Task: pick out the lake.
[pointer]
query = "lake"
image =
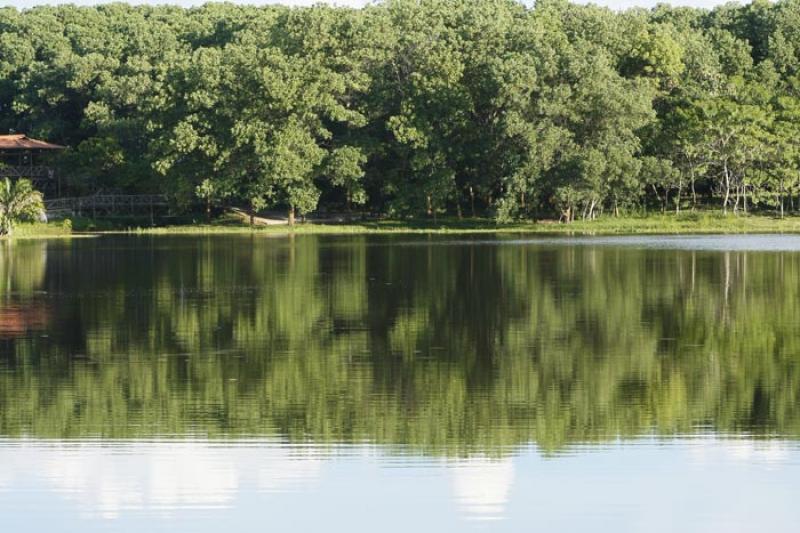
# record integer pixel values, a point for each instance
(400, 383)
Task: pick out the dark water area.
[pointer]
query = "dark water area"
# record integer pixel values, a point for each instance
(362, 383)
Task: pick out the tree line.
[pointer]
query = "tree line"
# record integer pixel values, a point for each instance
(417, 108)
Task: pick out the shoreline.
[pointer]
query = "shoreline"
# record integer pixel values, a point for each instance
(671, 224)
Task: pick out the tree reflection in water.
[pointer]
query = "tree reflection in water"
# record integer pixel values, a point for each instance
(468, 348)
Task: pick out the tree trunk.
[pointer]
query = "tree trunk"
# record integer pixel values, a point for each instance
(744, 198)
(727, 190)
(655, 191)
(291, 216)
(5, 224)
(472, 200)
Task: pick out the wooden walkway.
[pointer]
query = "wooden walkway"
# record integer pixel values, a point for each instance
(43, 178)
(105, 205)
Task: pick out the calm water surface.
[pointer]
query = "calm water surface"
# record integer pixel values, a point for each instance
(397, 383)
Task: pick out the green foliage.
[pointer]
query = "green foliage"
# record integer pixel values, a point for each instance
(19, 201)
(345, 168)
(407, 108)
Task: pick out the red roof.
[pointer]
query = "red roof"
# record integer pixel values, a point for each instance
(20, 141)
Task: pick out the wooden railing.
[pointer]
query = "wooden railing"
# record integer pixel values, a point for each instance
(105, 204)
(22, 171)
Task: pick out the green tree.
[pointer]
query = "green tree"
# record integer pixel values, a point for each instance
(19, 202)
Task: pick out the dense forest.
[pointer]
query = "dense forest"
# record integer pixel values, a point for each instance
(416, 107)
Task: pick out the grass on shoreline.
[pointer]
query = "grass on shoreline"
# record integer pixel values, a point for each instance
(684, 223)
(690, 222)
(38, 230)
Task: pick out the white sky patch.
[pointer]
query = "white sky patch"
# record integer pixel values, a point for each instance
(703, 483)
(105, 481)
(481, 487)
(185, 3)
(768, 453)
(614, 4)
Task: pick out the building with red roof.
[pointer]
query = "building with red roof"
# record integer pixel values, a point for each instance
(24, 157)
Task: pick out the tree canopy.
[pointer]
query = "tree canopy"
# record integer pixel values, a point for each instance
(416, 108)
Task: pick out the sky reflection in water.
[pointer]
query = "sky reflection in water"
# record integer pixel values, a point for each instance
(698, 484)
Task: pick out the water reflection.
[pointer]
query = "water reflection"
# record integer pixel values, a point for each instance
(461, 350)
(481, 486)
(316, 383)
(700, 484)
(105, 479)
